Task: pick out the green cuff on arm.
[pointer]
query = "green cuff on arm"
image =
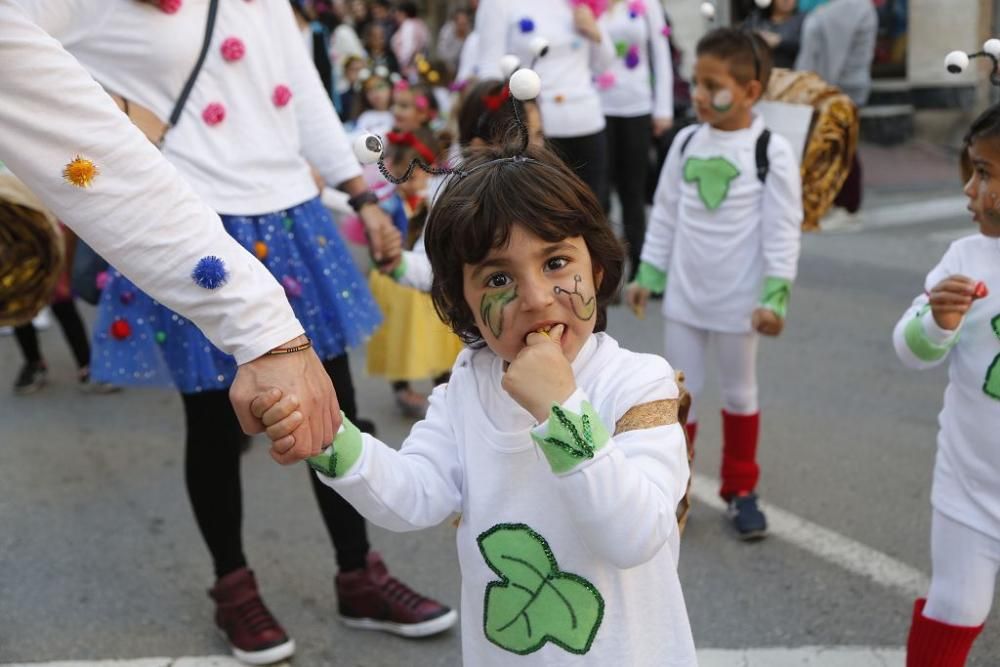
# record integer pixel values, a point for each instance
(651, 278)
(920, 342)
(400, 270)
(570, 438)
(338, 458)
(775, 294)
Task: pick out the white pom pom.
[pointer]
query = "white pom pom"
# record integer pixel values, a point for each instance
(763, 4)
(539, 46)
(364, 74)
(708, 10)
(525, 84)
(382, 71)
(992, 47)
(367, 148)
(509, 64)
(956, 62)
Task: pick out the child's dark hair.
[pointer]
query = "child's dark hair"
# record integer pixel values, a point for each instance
(985, 126)
(477, 120)
(476, 213)
(747, 54)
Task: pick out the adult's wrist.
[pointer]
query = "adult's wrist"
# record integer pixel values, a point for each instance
(362, 199)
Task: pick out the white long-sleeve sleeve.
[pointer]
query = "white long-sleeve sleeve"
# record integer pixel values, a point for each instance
(781, 211)
(658, 243)
(418, 273)
(138, 213)
(623, 501)
(321, 135)
(660, 60)
(602, 53)
(491, 29)
(417, 486)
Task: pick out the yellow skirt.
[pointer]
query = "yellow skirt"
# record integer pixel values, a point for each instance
(412, 343)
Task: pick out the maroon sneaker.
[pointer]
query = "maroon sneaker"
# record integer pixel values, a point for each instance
(372, 599)
(254, 635)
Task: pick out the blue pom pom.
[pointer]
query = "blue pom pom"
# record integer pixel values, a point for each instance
(526, 25)
(210, 272)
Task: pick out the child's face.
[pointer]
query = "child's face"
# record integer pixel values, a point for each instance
(983, 188)
(532, 284)
(352, 70)
(379, 95)
(409, 110)
(719, 99)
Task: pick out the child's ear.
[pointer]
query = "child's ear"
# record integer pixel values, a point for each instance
(598, 277)
(754, 91)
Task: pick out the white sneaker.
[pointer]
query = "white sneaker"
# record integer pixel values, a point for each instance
(838, 219)
(6, 331)
(43, 320)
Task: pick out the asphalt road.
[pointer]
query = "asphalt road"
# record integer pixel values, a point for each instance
(99, 556)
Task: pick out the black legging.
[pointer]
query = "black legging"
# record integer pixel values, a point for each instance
(73, 330)
(212, 473)
(629, 140)
(587, 156)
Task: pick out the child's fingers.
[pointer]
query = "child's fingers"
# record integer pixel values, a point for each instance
(285, 427)
(942, 298)
(260, 404)
(280, 410)
(556, 333)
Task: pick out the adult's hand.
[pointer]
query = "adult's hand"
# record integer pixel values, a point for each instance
(661, 125)
(299, 376)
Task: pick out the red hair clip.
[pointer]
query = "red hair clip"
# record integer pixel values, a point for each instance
(494, 102)
(408, 139)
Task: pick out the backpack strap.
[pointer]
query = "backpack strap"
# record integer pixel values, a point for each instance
(763, 165)
(687, 140)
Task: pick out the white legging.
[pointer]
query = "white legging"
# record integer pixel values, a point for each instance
(686, 348)
(964, 566)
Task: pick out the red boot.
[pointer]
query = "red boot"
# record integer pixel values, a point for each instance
(740, 471)
(936, 644)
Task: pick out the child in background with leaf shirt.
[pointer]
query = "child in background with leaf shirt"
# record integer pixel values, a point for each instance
(560, 449)
(723, 246)
(958, 318)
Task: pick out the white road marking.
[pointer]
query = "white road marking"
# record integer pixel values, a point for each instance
(809, 656)
(827, 544)
(909, 213)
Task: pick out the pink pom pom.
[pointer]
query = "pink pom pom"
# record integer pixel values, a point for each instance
(101, 280)
(232, 49)
(637, 8)
(213, 114)
(292, 286)
(596, 6)
(170, 6)
(605, 80)
(282, 95)
(666, 31)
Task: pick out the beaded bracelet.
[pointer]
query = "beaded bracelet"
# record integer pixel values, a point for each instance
(288, 350)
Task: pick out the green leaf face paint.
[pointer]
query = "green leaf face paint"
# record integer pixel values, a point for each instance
(492, 306)
(713, 176)
(582, 307)
(534, 602)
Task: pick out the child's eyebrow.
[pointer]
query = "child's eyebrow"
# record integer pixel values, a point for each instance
(561, 246)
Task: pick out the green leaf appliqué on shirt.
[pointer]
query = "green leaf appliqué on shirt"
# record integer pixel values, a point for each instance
(992, 384)
(713, 176)
(534, 602)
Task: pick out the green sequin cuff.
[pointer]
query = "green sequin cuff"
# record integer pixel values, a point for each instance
(571, 438)
(651, 278)
(339, 457)
(921, 344)
(400, 271)
(775, 295)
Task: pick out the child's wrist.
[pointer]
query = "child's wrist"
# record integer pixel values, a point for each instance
(650, 278)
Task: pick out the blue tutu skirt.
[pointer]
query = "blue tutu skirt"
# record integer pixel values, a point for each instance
(138, 341)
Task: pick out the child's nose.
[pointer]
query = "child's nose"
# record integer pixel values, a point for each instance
(970, 187)
(537, 293)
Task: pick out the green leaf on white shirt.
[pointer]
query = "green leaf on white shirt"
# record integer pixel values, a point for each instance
(713, 176)
(534, 602)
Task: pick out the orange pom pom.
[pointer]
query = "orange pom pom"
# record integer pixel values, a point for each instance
(260, 249)
(80, 172)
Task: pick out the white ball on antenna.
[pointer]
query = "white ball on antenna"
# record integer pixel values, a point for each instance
(539, 46)
(525, 84)
(956, 62)
(509, 64)
(992, 47)
(367, 148)
(708, 10)
(763, 4)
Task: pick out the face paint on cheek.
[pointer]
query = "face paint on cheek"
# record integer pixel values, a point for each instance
(582, 307)
(492, 306)
(722, 101)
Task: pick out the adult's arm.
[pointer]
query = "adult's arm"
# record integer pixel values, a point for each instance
(136, 211)
(661, 63)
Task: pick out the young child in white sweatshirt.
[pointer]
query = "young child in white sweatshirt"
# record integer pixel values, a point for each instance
(723, 246)
(958, 318)
(560, 450)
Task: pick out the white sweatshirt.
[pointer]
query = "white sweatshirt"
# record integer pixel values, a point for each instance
(968, 458)
(255, 160)
(716, 259)
(608, 521)
(648, 87)
(138, 212)
(569, 102)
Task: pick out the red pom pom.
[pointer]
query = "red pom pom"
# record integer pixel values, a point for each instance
(213, 114)
(121, 329)
(232, 49)
(980, 290)
(170, 6)
(282, 95)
